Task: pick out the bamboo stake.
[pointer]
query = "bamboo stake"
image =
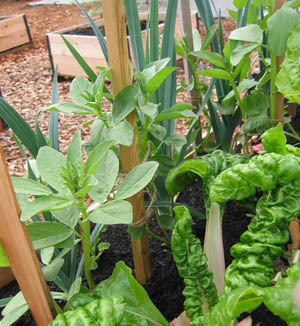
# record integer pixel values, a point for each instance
(6, 276)
(294, 225)
(279, 97)
(114, 22)
(184, 13)
(16, 243)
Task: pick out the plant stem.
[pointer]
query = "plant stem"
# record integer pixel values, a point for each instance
(294, 132)
(86, 230)
(273, 86)
(157, 237)
(262, 56)
(292, 135)
(57, 307)
(237, 95)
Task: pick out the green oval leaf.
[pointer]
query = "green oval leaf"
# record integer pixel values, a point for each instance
(50, 271)
(113, 212)
(29, 186)
(122, 133)
(280, 25)
(249, 33)
(216, 73)
(176, 111)
(49, 163)
(136, 180)
(212, 57)
(81, 90)
(44, 204)
(67, 107)
(106, 174)
(124, 103)
(47, 234)
(96, 156)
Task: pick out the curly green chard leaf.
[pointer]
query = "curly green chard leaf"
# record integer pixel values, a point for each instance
(139, 310)
(244, 299)
(191, 263)
(206, 167)
(278, 177)
(105, 312)
(279, 299)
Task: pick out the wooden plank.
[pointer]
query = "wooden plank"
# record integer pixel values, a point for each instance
(87, 46)
(114, 19)
(23, 260)
(13, 32)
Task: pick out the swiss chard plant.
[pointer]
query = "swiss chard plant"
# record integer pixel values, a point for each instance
(249, 277)
(207, 167)
(199, 286)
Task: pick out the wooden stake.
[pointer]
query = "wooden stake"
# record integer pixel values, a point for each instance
(16, 243)
(114, 22)
(184, 14)
(6, 276)
(279, 97)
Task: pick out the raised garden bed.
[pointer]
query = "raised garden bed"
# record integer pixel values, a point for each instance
(14, 33)
(86, 43)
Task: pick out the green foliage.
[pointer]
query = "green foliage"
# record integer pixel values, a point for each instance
(278, 177)
(139, 310)
(255, 105)
(280, 25)
(206, 167)
(287, 81)
(192, 266)
(3, 258)
(107, 311)
(69, 180)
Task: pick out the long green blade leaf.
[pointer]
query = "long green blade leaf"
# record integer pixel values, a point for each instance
(53, 124)
(189, 134)
(40, 139)
(19, 127)
(134, 27)
(154, 30)
(100, 37)
(83, 64)
(207, 17)
(167, 92)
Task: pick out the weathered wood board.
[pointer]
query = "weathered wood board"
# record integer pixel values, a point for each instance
(88, 47)
(14, 33)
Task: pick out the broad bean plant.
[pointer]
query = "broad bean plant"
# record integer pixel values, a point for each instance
(63, 187)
